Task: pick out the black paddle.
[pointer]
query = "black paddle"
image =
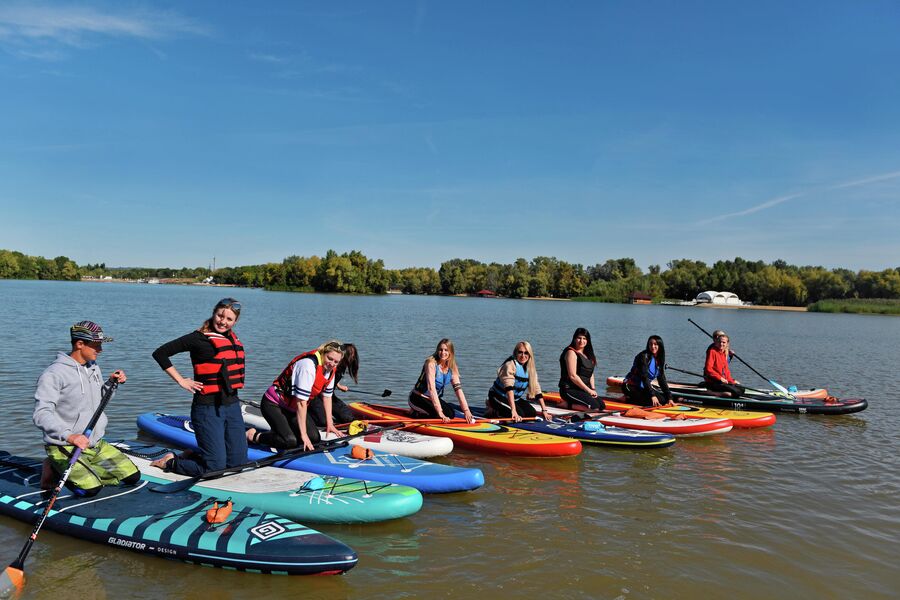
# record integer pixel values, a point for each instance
(13, 578)
(383, 394)
(775, 384)
(183, 484)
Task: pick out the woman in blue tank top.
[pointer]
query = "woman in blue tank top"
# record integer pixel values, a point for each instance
(648, 367)
(438, 373)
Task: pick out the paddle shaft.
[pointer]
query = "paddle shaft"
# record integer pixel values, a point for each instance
(104, 400)
(734, 354)
(701, 376)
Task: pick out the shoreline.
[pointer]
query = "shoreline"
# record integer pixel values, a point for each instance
(755, 307)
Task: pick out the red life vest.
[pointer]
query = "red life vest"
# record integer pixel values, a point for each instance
(224, 372)
(284, 382)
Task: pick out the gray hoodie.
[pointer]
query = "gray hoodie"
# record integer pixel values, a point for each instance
(66, 397)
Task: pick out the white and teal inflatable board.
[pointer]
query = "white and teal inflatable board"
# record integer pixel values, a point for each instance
(173, 526)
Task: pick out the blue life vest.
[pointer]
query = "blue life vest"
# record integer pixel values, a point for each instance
(441, 381)
(521, 384)
(634, 375)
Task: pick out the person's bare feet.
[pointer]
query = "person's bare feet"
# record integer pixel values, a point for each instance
(163, 461)
(251, 435)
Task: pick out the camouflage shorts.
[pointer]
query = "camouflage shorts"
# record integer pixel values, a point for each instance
(101, 465)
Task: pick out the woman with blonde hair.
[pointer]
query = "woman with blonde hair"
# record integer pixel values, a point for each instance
(217, 356)
(517, 386)
(438, 373)
(285, 405)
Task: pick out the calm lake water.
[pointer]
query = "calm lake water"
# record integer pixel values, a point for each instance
(807, 508)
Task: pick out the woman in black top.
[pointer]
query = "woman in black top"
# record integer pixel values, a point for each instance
(649, 365)
(217, 356)
(576, 372)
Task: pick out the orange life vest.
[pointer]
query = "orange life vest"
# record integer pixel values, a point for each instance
(284, 382)
(224, 372)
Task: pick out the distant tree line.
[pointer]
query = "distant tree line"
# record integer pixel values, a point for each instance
(776, 283)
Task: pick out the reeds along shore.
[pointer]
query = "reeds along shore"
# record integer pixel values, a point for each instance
(873, 306)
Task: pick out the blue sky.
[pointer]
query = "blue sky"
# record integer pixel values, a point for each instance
(166, 133)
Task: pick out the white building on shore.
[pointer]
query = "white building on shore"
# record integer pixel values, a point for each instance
(711, 297)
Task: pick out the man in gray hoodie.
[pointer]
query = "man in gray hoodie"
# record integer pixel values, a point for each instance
(67, 395)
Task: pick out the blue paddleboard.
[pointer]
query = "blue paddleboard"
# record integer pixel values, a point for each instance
(427, 477)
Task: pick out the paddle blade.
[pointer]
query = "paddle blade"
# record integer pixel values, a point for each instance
(781, 389)
(12, 581)
(386, 393)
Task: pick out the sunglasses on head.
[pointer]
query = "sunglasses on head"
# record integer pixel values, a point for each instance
(229, 303)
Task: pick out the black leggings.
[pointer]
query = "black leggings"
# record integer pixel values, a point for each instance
(732, 389)
(500, 407)
(284, 433)
(340, 412)
(420, 404)
(640, 395)
(573, 395)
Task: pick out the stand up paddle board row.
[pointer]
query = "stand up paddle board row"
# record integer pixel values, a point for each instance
(615, 437)
(482, 436)
(296, 495)
(427, 477)
(741, 419)
(173, 526)
(392, 441)
(769, 401)
(616, 382)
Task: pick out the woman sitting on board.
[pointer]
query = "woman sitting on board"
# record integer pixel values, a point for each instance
(217, 356)
(717, 373)
(576, 372)
(439, 371)
(728, 351)
(516, 387)
(341, 413)
(285, 405)
(649, 364)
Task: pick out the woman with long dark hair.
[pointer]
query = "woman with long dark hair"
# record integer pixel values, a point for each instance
(576, 372)
(648, 365)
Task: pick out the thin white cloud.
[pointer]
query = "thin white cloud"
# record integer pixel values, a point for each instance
(781, 199)
(270, 58)
(38, 30)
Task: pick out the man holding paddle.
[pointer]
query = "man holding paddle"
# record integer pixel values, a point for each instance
(68, 394)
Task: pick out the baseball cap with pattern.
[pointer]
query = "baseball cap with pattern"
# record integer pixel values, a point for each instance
(89, 332)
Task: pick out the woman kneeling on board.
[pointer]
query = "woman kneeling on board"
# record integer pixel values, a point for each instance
(340, 412)
(649, 364)
(576, 372)
(516, 387)
(439, 371)
(285, 405)
(717, 372)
